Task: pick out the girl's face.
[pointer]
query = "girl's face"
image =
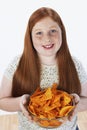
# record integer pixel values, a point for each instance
(46, 37)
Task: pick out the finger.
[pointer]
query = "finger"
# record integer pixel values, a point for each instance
(24, 109)
(73, 113)
(76, 98)
(25, 99)
(30, 118)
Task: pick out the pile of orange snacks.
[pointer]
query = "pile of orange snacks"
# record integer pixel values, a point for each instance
(50, 104)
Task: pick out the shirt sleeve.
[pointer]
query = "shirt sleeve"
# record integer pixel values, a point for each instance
(9, 72)
(81, 71)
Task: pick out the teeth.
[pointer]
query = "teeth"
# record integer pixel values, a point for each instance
(48, 46)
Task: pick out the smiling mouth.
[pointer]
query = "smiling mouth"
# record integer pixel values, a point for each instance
(48, 46)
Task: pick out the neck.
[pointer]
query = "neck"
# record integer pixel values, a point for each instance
(48, 60)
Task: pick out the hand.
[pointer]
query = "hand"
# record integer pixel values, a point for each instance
(23, 105)
(75, 110)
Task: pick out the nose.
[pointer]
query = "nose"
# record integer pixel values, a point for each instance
(47, 38)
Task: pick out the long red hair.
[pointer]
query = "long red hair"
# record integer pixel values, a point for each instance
(27, 76)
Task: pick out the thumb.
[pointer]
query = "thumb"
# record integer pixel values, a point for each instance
(25, 99)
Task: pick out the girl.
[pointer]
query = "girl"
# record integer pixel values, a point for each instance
(45, 60)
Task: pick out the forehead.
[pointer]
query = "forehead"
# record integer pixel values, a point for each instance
(45, 23)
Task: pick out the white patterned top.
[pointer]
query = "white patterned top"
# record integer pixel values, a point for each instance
(49, 75)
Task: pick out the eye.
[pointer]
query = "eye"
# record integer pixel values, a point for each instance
(39, 33)
(53, 31)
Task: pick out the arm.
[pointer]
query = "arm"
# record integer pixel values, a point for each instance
(82, 106)
(12, 104)
(83, 79)
(7, 102)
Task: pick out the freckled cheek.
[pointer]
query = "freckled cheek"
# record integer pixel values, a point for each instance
(58, 38)
(55, 38)
(37, 41)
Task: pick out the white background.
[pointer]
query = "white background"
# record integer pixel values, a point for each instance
(14, 15)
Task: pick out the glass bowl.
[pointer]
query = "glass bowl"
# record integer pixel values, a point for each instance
(50, 108)
(49, 123)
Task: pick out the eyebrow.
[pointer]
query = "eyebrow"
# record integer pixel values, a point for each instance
(53, 26)
(37, 30)
(49, 28)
